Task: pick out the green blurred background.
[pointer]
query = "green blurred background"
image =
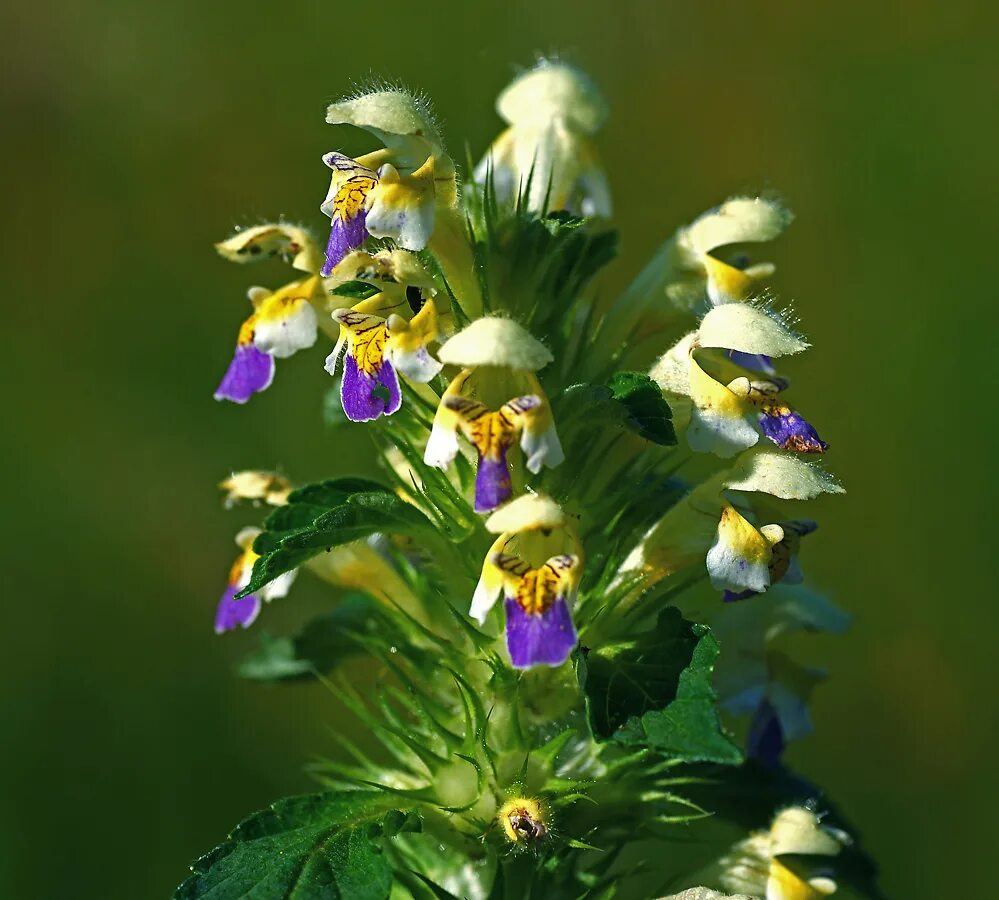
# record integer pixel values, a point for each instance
(135, 136)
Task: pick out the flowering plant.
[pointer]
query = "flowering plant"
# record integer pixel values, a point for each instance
(624, 474)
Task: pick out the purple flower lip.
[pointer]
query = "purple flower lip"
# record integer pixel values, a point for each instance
(366, 397)
(232, 613)
(539, 639)
(250, 372)
(790, 431)
(344, 237)
(492, 483)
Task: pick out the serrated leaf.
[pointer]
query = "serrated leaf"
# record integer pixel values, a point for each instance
(655, 691)
(294, 539)
(321, 645)
(312, 847)
(648, 413)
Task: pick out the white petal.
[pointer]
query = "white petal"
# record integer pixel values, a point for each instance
(721, 422)
(409, 224)
(246, 536)
(272, 239)
(783, 475)
(543, 449)
(724, 436)
(494, 341)
(484, 598)
(553, 89)
(739, 559)
(285, 335)
(736, 221)
(798, 830)
(416, 365)
(334, 358)
(442, 446)
(750, 329)
(399, 120)
(672, 370)
(528, 512)
(279, 587)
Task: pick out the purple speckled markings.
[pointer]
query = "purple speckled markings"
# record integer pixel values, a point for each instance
(366, 397)
(539, 639)
(250, 372)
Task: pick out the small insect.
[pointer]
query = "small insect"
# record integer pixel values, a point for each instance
(523, 821)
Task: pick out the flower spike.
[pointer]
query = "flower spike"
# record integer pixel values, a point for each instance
(589, 663)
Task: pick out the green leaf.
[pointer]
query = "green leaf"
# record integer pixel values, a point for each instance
(320, 646)
(355, 290)
(313, 847)
(655, 691)
(325, 515)
(648, 413)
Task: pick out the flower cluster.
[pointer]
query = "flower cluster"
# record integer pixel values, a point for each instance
(626, 474)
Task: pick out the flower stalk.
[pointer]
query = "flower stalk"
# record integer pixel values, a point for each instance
(574, 571)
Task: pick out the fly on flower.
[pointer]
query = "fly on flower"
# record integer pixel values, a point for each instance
(283, 321)
(537, 563)
(392, 192)
(498, 355)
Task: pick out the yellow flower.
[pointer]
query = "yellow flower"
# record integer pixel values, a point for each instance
(283, 321)
(392, 192)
